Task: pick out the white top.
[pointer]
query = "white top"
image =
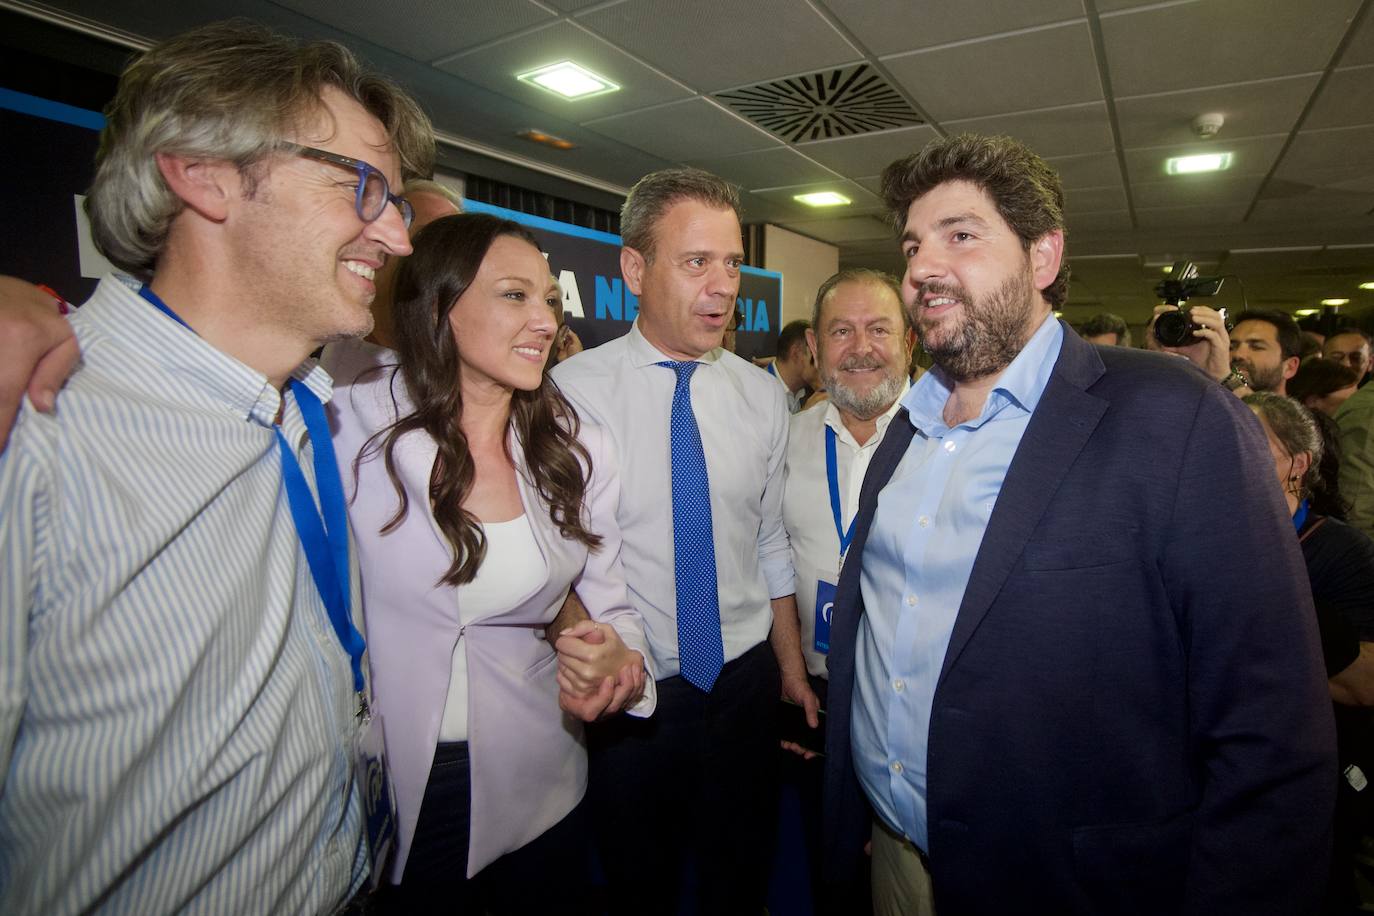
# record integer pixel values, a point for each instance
(512, 561)
(743, 423)
(176, 713)
(806, 506)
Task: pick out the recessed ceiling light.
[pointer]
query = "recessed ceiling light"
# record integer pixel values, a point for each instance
(1168, 268)
(568, 80)
(1303, 313)
(1335, 301)
(1369, 285)
(1191, 165)
(822, 199)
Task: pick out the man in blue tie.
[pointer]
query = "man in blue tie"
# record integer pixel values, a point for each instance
(701, 436)
(1074, 664)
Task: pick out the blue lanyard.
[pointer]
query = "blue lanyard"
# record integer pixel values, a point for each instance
(1300, 517)
(771, 370)
(832, 474)
(325, 541)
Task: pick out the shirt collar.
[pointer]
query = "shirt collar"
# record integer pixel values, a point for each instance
(1020, 386)
(642, 353)
(836, 422)
(138, 324)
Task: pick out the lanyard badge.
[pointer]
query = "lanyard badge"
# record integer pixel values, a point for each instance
(825, 591)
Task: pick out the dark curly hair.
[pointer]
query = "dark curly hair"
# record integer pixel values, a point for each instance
(1027, 192)
(448, 253)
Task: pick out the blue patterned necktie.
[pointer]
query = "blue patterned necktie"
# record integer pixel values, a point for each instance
(699, 649)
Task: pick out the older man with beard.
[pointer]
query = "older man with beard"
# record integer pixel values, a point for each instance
(1055, 685)
(860, 341)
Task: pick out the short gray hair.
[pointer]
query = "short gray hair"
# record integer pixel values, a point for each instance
(1107, 323)
(430, 186)
(1295, 428)
(653, 194)
(857, 275)
(233, 91)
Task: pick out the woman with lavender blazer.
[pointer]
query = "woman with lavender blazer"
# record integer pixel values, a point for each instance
(525, 755)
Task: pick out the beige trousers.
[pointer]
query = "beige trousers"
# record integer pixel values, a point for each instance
(901, 881)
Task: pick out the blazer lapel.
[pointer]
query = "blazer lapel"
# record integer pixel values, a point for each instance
(1058, 430)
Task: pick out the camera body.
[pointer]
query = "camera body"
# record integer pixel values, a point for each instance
(1175, 329)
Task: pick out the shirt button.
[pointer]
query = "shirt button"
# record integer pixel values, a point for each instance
(911, 600)
(898, 684)
(923, 521)
(896, 766)
(949, 446)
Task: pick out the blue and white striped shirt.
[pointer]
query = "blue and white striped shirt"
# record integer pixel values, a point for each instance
(176, 714)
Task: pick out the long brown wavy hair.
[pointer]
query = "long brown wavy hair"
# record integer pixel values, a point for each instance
(447, 255)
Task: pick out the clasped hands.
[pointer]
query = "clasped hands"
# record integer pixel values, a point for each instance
(598, 675)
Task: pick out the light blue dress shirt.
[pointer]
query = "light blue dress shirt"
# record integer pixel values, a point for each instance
(929, 524)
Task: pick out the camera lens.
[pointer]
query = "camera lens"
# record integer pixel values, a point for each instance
(1173, 329)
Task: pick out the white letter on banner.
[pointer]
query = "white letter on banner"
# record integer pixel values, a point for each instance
(572, 297)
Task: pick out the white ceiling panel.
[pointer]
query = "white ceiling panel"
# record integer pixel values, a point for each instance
(1346, 100)
(1251, 156)
(495, 66)
(720, 44)
(1178, 46)
(890, 26)
(1095, 200)
(424, 29)
(846, 229)
(868, 154)
(686, 130)
(1095, 170)
(1070, 131)
(1251, 110)
(770, 168)
(977, 78)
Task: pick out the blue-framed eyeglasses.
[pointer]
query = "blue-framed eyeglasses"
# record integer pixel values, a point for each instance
(373, 191)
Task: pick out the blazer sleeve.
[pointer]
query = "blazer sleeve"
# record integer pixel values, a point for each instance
(601, 584)
(1261, 721)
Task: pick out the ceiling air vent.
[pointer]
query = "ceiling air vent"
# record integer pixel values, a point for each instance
(831, 103)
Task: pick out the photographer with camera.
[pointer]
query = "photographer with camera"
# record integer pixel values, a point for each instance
(1266, 345)
(1198, 333)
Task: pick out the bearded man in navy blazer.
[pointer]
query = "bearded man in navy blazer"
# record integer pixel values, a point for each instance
(1074, 664)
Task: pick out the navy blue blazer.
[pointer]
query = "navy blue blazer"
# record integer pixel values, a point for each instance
(1132, 715)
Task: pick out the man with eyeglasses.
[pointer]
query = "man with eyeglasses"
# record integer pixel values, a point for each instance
(183, 700)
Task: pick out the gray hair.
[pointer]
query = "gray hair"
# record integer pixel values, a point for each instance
(233, 91)
(857, 275)
(429, 186)
(653, 194)
(1293, 425)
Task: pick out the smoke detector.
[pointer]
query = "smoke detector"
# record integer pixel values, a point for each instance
(1206, 126)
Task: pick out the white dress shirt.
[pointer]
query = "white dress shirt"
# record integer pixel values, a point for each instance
(743, 423)
(794, 398)
(176, 713)
(806, 506)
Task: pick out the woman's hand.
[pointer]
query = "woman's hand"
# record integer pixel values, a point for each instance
(598, 675)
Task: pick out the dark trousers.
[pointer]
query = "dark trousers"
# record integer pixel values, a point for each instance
(696, 782)
(551, 873)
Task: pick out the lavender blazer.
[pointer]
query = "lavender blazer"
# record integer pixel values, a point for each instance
(528, 758)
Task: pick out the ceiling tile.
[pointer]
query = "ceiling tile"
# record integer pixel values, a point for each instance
(1051, 132)
(1328, 156)
(868, 154)
(1251, 110)
(569, 6)
(979, 78)
(1095, 200)
(1251, 156)
(719, 44)
(1360, 50)
(1346, 100)
(890, 26)
(1095, 170)
(496, 65)
(770, 168)
(686, 130)
(1184, 45)
(1197, 190)
(845, 229)
(423, 29)
(1172, 217)
(1119, 220)
(1319, 203)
